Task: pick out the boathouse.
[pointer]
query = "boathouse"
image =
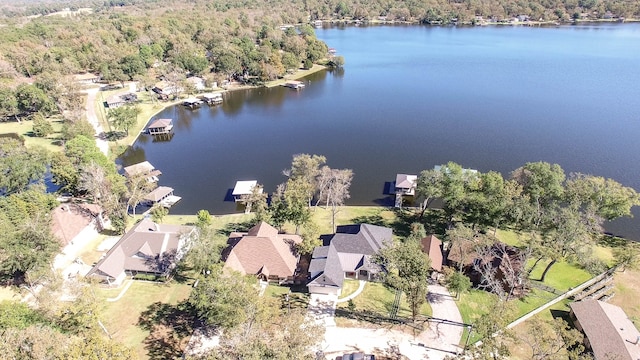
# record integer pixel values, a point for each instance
(160, 127)
(294, 84)
(212, 98)
(162, 195)
(145, 168)
(405, 185)
(192, 103)
(244, 188)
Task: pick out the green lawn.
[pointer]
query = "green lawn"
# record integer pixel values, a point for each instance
(121, 318)
(349, 215)
(378, 299)
(25, 130)
(562, 275)
(349, 286)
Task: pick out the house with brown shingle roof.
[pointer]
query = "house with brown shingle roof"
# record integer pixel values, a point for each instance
(432, 246)
(262, 251)
(609, 333)
(148, 248)
(71, 222)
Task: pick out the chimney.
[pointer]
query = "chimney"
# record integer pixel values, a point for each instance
(157, 227)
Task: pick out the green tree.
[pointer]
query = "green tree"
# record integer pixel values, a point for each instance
(131, 65)
(552, 339)
(457, 282)
(407, 270)
(8, 103)
(204, 219)
(21, 167)
(158, 213)
(627, 256)
(32, 99)
(604, 197)
(123, 117)
(543, 184)
(41, 126)
(428, 188)
(226, 299)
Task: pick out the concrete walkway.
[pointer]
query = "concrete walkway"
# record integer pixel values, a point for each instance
(101, 142)
(124, 291)
(356, 293)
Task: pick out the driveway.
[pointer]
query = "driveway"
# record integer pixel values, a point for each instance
(441, 339)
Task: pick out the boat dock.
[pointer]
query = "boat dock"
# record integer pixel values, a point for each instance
(294, 84)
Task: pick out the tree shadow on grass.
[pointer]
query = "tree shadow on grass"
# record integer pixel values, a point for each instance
(242, 226)
(170, 327)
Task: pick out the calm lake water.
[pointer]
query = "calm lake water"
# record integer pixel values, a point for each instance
(411, 97)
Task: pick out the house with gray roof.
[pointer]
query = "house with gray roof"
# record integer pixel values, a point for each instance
(347, 254)
(148, 248)
(608, 331)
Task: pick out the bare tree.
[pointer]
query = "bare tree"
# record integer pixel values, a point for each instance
(139, 186)
(501, 268)
(335, 189)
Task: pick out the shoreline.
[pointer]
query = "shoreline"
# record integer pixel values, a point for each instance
(474, 23)
(298, 75)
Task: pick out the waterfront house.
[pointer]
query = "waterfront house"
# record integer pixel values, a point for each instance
(608, 331)
(148, 248)
(197, 82)
(263, 252)
(347, 254)
(145, 168)
(160, 127)
(164, 89)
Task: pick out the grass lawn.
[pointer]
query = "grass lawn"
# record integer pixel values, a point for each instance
(297, 300)
(562, 275)
(349, 215)
(25, 130)
(378, 299)
(349, 286)
(627, 293)
(90, 254)
(121, 318)
(7, 293)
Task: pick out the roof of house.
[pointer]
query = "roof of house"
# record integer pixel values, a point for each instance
(244, 187)
(158, 193)
(263, 251)
(147, 247)
(68, 220)
(349, 249)
(431, 245)
(610, 332)
(160, 123)
(404, 181)
(115, 99)
(141, 168)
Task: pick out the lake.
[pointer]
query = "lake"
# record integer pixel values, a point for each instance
(411, 97)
